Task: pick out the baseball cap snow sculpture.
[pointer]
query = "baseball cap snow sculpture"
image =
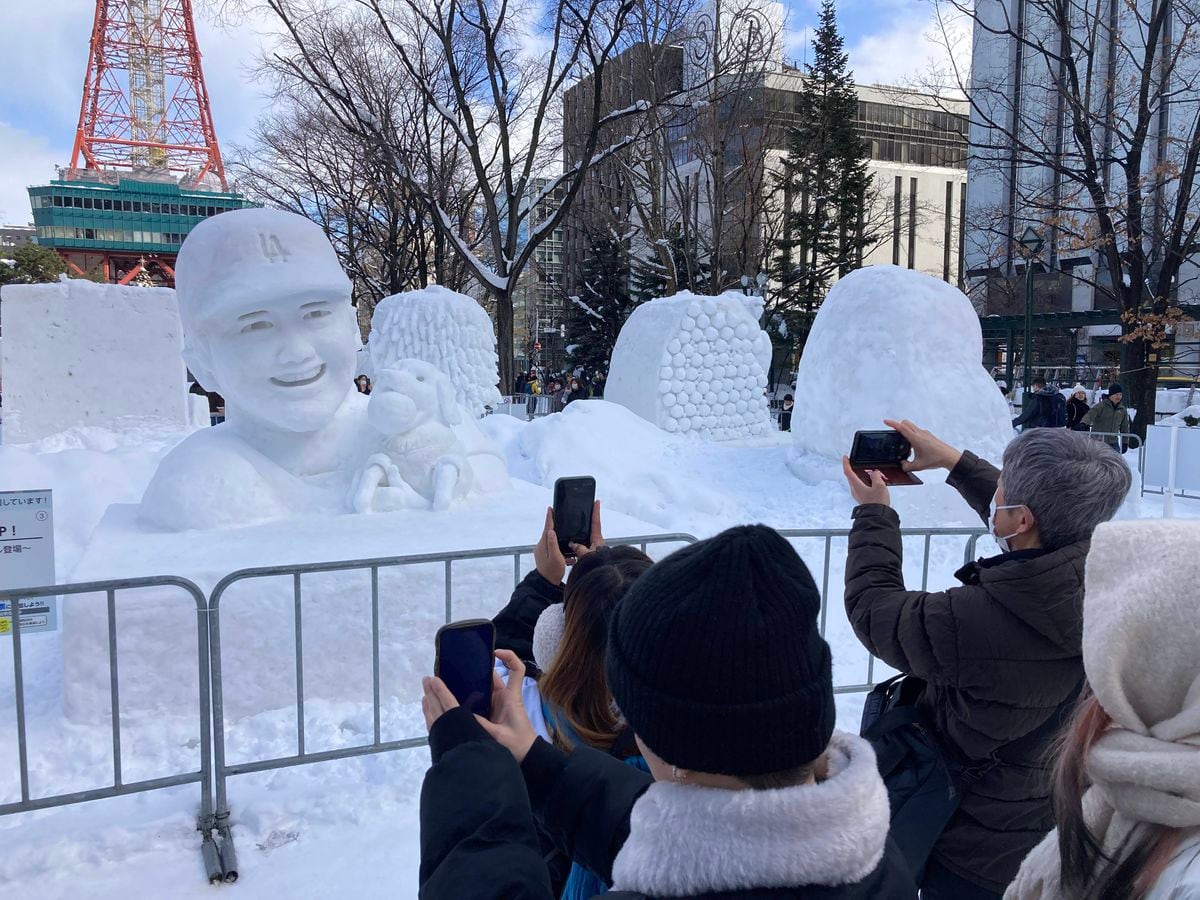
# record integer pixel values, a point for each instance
(268, 324)
(693, 365)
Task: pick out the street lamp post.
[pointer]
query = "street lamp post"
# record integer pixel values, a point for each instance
(1033, 243)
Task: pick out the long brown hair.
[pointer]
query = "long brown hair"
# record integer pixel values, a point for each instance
(1088, 873)
(575, 684)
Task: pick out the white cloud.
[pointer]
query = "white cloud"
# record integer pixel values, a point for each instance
(912, 51)
(28, 159)
(43, 54)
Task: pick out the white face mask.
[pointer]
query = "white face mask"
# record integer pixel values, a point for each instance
(1002, 540)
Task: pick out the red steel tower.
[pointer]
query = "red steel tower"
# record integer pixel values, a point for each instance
(145, 106)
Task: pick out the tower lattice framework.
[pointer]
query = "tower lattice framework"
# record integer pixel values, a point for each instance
(145, 105)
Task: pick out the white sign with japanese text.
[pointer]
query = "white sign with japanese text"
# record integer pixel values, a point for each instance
(27, 557)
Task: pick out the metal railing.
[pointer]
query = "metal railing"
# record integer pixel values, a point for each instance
(527, 406)
(222, 770)
(119, 787)
(217, 845)
(828, 535)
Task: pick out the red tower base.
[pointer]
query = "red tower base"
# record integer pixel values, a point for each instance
(121, 267)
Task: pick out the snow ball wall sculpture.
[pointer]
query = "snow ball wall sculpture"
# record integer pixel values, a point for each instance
(895, 343)
(446, 329)
(694, 365)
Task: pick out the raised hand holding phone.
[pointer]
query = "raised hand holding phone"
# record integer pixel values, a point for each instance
(929, 451)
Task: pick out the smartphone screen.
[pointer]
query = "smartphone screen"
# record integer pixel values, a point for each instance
(573, 501)
(879, 447)
(464, 663)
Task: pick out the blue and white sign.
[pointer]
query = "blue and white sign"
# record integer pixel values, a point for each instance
(27, 557)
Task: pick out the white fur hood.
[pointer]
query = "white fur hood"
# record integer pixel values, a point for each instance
(686, 840)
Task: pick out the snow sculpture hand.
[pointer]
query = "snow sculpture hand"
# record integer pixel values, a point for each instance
(423, 463)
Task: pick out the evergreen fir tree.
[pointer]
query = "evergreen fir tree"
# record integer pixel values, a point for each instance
(602, 305)
(825, 183)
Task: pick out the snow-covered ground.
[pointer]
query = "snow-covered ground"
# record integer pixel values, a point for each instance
(350, 828)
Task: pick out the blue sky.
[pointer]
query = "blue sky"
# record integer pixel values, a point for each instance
(43, 53)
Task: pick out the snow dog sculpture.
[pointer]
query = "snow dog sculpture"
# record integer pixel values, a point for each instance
(268, 324)
(423, 464)
(694, 365)
(447, 329)
(895, 343)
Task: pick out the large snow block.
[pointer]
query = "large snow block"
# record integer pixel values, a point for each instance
(445, 329)
(894, 343)
(80, 353)
(694, 365)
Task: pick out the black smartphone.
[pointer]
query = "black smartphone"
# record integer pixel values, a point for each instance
(573, 502)
(464, 652)
(879, 447)
(883, 451)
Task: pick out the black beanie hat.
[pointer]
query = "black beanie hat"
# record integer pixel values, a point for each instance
(1114, 388)
(715, 660)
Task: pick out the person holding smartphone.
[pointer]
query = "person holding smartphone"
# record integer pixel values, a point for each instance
(716, 661)
(1000, 656)
(557, 625)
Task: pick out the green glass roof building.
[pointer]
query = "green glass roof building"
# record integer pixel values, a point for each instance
(117, 228)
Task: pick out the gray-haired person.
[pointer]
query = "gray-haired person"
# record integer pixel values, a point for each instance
(1001, 655)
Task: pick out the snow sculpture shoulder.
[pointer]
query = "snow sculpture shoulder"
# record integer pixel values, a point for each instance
(694, 365)
(449, 330)
(268, 324)
(895, 343)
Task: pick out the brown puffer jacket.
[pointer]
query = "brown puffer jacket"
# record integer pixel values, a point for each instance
(1002, 655)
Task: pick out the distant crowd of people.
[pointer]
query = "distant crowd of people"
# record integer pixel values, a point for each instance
(1108, 417)
(667, 730)
(561, 388)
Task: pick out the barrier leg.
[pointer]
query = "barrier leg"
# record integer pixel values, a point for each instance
(212, 859)
(229, 865)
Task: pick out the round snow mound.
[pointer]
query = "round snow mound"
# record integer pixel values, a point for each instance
(445, 329)
(693, 365)
(897, 344)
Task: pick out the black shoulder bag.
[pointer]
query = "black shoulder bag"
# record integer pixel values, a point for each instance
(926, 783)
(925, 786)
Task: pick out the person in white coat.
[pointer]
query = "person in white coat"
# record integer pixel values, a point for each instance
(1127, 782)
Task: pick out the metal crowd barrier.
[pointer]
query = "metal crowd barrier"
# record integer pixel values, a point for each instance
(119, 786)
(217, 845)
(222, 771)
(972, 536)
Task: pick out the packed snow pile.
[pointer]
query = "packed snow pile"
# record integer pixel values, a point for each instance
(447, 329)
(694, 365)
(637, 467)
(897, 344)
(79, 353)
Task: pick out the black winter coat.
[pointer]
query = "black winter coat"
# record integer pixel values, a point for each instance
(515, 623)
(1076, 410)
(1002, 655)
(477, 822)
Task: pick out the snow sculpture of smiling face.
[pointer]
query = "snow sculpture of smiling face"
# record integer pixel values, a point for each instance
(267, 318)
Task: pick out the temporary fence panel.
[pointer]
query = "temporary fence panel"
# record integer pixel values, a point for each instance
(118, 786)
(222, 769)
(217, 843)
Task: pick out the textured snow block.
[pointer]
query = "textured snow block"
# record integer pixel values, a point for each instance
(446, 329)
(894, 343)
(79, 353)
(694, 365)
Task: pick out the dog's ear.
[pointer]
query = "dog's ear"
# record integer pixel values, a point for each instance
(451, 414)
